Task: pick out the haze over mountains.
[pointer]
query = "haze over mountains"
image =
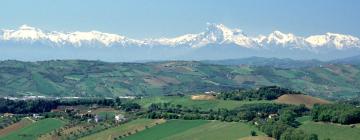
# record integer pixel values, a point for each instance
(216, 42)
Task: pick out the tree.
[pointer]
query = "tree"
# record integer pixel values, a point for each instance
(253, 133)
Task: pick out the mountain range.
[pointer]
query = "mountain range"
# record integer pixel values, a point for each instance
(216, 42)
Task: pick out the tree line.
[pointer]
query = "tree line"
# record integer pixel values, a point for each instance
(262, 93)
(46, 105)
(336, 113)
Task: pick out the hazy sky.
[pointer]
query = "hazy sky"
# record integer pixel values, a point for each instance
(160, 18)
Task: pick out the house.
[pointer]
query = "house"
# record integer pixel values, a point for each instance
(272, 116)
(8, 115)
(37, 116)
(96, 118)
(119, 118)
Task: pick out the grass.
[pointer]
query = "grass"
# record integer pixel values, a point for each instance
(196, 129)
(33, 131)
(187, 102)
(216, 130)
(16, 126)
(331, 131)
(43, 85)
(165, 130)
(115, 132)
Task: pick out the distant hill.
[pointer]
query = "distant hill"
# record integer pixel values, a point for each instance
(273, 62)
(354, 60)
(298, 99)
(96, 78)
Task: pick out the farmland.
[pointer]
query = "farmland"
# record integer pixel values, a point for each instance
(101, 79)
(34, 130)
(331, 131)
(308, 101)
(16, 126)
(215, 130)
(264, 113)
(201, 130)
(168, 129)
(123, 130)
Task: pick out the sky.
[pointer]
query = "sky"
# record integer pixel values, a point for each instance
(169, 18)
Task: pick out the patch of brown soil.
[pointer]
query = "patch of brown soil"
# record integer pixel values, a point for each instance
(297, 99)
(15, 126)
(202, 97)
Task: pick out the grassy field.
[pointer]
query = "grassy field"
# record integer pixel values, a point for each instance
(188, 102)
(165, 130)
(16, 126)
(34, 130)
(132, 127)
(195, 129)
(327, 130)
(216, 130)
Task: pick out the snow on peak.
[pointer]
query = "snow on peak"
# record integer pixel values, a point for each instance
(217, 34)
(339, 41)
(26, 27)
(32, 34)
(24, 32)
(278, 37)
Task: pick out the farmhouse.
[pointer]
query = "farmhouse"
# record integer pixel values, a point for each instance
(119, 118)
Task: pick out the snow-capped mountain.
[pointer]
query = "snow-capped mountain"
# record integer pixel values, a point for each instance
(216, 39)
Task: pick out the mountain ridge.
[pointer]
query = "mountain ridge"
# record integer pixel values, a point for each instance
(216, 42)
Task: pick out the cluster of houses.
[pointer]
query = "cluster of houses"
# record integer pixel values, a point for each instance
(96, 118)
(118, 118)
(271, 116)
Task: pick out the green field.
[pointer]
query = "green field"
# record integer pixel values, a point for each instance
(216, 130)
(31, 132)
(132, 126)
(195, 129)
(187, 102)
(331, 131)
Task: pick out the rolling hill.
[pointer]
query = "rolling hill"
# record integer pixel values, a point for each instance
(96, 78)
(297, 99)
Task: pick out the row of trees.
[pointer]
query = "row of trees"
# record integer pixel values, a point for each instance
(245, 112)
(43, 105)
(27, 106)
(336, 113)
(263, 93)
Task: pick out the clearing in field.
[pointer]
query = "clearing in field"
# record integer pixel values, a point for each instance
(16, 126)
(196, 129)
(331, 131)
(34, 130)
(124, 129)
(297, 99)
(202, 97)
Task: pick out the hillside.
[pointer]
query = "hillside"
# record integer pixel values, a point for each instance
(297, 99)
(96, 78)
